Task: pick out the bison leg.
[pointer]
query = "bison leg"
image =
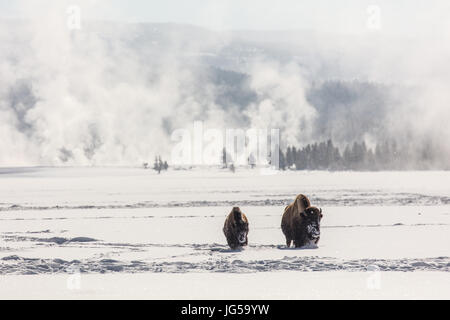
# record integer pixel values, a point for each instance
(298, 244)
(233, 244)
(288, 242)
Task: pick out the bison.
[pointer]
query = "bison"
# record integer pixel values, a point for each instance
(236, 229)
(301, 223)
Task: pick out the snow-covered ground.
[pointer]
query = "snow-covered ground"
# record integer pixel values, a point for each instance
(134, 234)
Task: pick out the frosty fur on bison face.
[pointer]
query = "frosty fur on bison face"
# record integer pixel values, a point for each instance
(312, 216)
(240, 226)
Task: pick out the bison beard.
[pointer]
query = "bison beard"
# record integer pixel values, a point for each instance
(236, 229)
(301, 223)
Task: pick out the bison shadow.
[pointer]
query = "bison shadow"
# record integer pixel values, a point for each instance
(308, 247)
(227, 250)
(278, 247)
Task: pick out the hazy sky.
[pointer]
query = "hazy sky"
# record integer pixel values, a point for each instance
(397, 17)
(102, 100)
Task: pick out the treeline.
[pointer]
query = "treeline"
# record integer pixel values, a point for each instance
(357, 156)
(158, 165)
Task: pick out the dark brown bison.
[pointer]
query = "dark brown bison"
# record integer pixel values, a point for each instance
(301, 223)
(236, 229)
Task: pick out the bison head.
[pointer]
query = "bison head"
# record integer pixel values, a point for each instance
(312, 217)
(240, 226)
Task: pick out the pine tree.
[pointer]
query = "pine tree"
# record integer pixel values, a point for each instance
(307, 154)
(156, 164)
(337, 160)
(363, 156)
(252, 161)
(289, 158)
(294, 157)
(282, 160)
(329, 154)
(314, 160)
(159, 165)
(370, 160)
(347, 157)
(224, 158)
(379, 157)
(322, 162)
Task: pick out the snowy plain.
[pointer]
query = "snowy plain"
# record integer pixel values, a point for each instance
(131, 233)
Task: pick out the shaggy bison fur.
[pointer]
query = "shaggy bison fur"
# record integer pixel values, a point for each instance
(236, 229)
(301, 223)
